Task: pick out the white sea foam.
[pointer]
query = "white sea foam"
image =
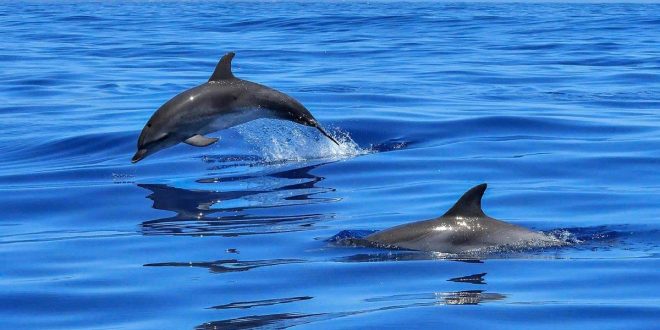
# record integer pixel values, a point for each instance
(278, 141)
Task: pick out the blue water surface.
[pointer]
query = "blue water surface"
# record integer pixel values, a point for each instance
(555, 106)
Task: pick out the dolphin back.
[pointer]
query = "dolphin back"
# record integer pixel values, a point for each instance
(463, 228)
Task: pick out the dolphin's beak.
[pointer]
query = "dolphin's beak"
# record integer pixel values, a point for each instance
(139, 155)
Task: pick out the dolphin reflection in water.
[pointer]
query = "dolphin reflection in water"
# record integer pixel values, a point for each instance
(386, 303)
(235, 211)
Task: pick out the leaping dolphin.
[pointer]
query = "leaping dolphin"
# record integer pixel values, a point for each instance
(464, 228)
(222, 102)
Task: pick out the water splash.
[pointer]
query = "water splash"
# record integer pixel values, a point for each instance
(278, 141)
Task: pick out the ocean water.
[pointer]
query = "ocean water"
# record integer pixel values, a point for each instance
(555, 106)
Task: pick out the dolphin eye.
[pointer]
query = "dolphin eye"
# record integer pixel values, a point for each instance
(148, 124)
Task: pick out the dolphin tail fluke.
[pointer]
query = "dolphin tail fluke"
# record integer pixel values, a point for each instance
(318, 127)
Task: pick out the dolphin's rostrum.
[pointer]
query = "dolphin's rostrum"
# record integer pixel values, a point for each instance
(464, 228)
(222, 102)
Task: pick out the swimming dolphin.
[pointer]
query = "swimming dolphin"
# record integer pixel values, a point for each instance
(222, 102)
(464, 228)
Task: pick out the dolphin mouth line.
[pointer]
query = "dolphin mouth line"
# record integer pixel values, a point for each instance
(139, 155)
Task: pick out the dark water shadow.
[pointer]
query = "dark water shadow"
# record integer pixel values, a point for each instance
(270, 321)
(227, 265)
(288, 320)
(260, 303)
(472, 279)
(235, 212)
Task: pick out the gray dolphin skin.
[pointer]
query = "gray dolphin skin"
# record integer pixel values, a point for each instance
(464, 228)
(222, 102)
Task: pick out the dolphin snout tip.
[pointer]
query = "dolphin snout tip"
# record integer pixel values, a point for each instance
(139, 155)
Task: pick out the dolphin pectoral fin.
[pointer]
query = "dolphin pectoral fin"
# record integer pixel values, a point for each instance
(200, 141)
(326, 134)
(223, 69)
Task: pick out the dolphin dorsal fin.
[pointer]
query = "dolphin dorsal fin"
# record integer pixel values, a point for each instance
(469, 204)
(223, 69)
